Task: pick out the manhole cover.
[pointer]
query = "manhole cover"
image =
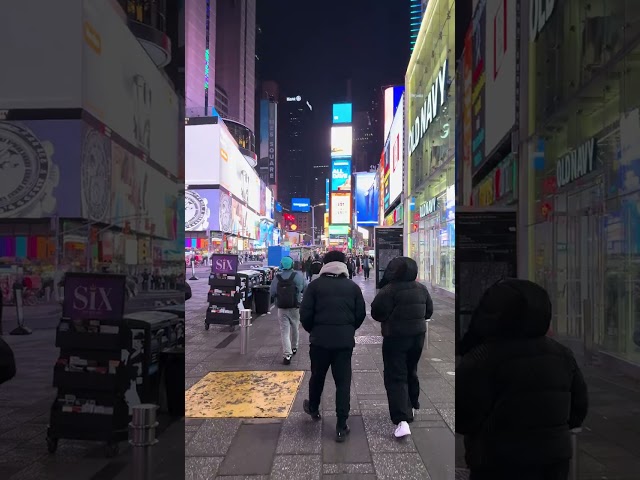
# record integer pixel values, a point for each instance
(369, 340)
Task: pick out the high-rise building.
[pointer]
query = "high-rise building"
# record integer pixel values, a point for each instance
(268, 164)
(200, 21)
(293, 150)
(366, 152)
(235, 60)
(418, 7)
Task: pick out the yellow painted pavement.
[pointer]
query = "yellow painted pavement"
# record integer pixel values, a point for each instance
(250, 394)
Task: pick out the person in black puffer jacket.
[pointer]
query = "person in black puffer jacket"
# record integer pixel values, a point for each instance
(518, 392)
(402, 306)
(332, 310)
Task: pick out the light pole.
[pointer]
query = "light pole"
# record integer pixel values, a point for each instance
(313, 221)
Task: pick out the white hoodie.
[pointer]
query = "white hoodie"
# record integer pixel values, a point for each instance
(335, 268)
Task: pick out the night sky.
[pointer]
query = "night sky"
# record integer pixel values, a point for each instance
(312, 48)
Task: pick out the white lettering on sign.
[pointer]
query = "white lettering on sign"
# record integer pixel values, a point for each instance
(224, 264)
(294, 99)
(429, 207)
(272, 143)
(340, 174)
(577, 163)
(539, 13)
(434, 99)
(85, 298)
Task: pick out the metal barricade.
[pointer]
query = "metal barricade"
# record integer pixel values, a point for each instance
(245, 324)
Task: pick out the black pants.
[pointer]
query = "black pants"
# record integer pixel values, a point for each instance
(340, 363)
(559, 471)
(366, 273)
(401, 356)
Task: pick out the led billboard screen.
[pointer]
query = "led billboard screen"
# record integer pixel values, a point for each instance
(202, 157)
(342, 113)
(392, 96)
(341, 175)
(300, 204)
(341, 141)
(328, 188)
(396, 151)
(340, 208)
(367, 193)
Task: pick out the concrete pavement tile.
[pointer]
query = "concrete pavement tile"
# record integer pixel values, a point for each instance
(437, 448)
(242, 477)
(380, 435)
(201, 468)
(407, 466)
(300, 467)
(340, 468)
(363, 362)
(368, 382)
(350, 476)
(252, 450)
(300, 435)
(190, 382)
(354, 450)
(438, 390)
(213, 438)
(449, 416)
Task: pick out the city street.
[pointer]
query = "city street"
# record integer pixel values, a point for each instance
(297, 447)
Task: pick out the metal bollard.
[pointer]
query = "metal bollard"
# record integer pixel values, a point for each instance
(426, 337)
(245, 323)
(20, 329)
(193, 271)
(142, 436)
(573, 474)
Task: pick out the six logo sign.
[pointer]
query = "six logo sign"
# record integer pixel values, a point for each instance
(96, 297)
(224, 264)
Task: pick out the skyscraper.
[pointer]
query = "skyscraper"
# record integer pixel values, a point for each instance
(235, 60)
(418, 7)
(200, 21)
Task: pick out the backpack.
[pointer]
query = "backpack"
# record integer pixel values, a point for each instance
(287, 292)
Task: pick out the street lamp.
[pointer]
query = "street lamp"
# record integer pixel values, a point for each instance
(313, 221)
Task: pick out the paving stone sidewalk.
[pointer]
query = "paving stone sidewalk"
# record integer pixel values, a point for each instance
(296, 447)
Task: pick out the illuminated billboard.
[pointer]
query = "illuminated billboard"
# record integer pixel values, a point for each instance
(392, 98)
(201, 154)
(367, 201)
(342, 113)
(341, 141)
(300, 204)
(341, 175)
(340, 208)
(396, 152)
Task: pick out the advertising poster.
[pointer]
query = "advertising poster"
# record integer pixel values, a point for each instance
(90, 296)
(269, 203)
(342, 112)
(486, 252)
(245, 223)
(396, 152)
(366, 198)
(478, 89)
(327, 189)
(340, 208)
(385, 177)
(388, 243)
(467, 129)
(341, 142)
(341, 175)
(300, 205)
(202, 210)
(236, 175)
(224, 264)
(201, 152)
(31, 153)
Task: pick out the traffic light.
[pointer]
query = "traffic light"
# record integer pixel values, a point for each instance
(290, 222)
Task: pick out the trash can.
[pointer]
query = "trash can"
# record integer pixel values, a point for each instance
(261, 299)
(172, 361)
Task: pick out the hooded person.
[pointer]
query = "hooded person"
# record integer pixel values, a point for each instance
(518, 392)
(316, 266)
(402, 306)
(333, 308)
(286, 288)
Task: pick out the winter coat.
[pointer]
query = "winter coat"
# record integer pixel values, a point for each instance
(333, 308)
(299, 280)
(402, 305)
(518, 392)
(7, 362)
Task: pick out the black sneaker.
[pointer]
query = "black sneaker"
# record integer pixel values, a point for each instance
(287, 360)
(313, 414)
(295, 350)
(341, 433)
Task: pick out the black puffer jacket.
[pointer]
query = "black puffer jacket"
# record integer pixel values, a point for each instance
(332, 308)
(402, 305)
(518, 392)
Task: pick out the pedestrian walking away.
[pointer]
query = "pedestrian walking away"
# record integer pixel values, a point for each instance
(518, 392)
(316, 266)
(286, 288)
(366, 267)
(332, 310)
(402, 306)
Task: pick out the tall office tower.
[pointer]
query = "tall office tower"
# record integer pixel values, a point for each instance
(200, 21)
(418, 7)
(366, 152)
(267, 129)
(294, 124)
(235, 61)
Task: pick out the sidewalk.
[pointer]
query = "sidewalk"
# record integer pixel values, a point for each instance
(297, 447)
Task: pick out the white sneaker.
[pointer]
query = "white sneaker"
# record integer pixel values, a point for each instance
(402, 430)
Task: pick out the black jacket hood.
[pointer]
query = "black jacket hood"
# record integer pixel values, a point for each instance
(511, 309)
(400, 269)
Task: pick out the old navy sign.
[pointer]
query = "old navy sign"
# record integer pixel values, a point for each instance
(576, 164)
(539, 13)
(428, 207)
(430, 108)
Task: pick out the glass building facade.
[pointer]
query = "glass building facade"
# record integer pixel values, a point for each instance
(430, 138)
(583, 177)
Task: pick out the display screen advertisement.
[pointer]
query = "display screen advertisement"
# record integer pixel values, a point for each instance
(366, 198)
(31, 153)
(340, 208)
(202, 210)
(478, 89)
(500, 75)
(341, 175)
(202, 154)
(236, 175)
(396, 154)
(342, 112)
(392, 96)
(300, 204)
(269, 203)
(224, 264)
(244, 222)
(90, 296)
(385, 177)
(327, 189)
(341, 142)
